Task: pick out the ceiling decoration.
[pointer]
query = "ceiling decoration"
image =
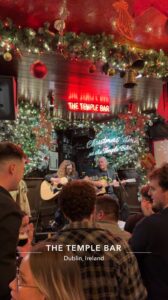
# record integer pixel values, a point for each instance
(124, 22)
(97, 16)
(95, 48)
(86, 43)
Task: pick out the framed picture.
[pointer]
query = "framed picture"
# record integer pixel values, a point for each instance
(53, 161)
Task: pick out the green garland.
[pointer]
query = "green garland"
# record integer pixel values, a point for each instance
(99, 47)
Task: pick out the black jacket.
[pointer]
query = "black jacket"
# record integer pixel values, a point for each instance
(10, 221)
(150, 237)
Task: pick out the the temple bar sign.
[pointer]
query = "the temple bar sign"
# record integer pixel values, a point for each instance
(88, 107)
(88, 103)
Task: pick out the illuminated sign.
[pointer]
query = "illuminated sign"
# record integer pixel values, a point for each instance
(88, 107)
(88, 103)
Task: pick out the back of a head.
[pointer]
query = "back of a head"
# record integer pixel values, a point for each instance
(161, 174)
(109, 206)
(77, 200)
(9, 151)
(55, 277)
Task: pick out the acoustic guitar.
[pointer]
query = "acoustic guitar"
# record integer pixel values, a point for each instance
(49, 190)
(114, 183)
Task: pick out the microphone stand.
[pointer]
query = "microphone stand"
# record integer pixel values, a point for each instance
(124, 210)
(121, 185)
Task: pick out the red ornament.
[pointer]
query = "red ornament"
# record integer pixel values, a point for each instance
(38, 69)
(92, 68)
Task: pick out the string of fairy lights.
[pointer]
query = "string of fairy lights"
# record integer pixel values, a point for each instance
(100, 47)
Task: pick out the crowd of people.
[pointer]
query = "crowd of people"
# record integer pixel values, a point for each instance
(90, 257)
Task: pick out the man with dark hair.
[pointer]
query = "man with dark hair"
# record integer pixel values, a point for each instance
(12, 160)
(107, 216)
(150, 238)
(146, 208)
(108, 268)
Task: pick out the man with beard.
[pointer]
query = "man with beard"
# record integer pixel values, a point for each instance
(150, 238)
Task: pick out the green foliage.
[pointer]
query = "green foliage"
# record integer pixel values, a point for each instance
(99, 47)
(121, 150)
(20, 132)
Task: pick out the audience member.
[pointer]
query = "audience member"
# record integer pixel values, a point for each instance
(107, 216)
(150, 238)
(108, 268)
(146, 208)
(47, 275)
(12, 160)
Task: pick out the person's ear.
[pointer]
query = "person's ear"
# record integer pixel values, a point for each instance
(100, 215)
(11, 168)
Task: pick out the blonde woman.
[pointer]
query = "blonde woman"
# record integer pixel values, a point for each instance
(67, 169)
(47, 275)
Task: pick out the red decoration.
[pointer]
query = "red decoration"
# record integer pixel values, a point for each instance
(162, 109)
(133, 120)
(43, 131)
(140, 7)
(92, 68)
(148, 161)
(38, 69)
(124, 21)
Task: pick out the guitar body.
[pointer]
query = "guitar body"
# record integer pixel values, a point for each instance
(114, 183)
(102, 190)
(48, 191)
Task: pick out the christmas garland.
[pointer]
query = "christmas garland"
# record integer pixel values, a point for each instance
(118, 57)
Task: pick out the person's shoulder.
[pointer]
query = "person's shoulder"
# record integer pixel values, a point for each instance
(150, 221)
(8, 206)
(5, 197)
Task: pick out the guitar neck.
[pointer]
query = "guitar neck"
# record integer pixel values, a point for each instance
(129, 180)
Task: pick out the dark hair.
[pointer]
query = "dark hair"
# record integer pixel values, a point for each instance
(77, 200)
(161, 174)
(9, 150)
(145, 193)
(108, 205)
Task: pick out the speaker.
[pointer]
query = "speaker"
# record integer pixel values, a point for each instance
(8, 100)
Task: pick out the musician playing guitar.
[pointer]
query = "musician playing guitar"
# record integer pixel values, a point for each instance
(66, 169)
(53, 183)
(104, 172)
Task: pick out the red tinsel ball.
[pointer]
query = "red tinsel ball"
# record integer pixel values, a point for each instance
(92, 68)
(38, 69)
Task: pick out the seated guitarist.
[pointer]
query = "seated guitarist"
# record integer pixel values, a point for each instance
(107, 173)
(66, 169)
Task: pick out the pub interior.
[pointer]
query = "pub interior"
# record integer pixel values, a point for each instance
(84, 86)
